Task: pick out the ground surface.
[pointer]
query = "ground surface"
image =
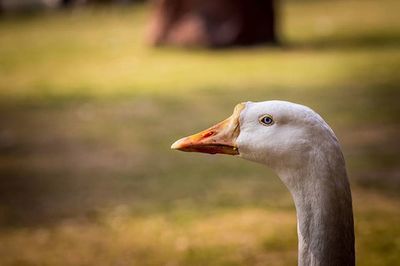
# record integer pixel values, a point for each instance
(88, 113)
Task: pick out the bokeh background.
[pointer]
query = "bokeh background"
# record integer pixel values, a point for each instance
(88, 111)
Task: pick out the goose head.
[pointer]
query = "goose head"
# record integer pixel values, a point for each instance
(279, 134)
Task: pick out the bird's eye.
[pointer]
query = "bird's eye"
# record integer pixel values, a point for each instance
(266, 120)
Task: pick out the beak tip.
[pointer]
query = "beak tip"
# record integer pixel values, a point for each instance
(176, 145)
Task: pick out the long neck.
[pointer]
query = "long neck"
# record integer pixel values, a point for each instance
(322, 196)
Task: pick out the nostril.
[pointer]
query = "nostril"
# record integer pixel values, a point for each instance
(208, 134)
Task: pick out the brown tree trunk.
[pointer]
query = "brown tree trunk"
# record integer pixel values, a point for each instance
(213, 23)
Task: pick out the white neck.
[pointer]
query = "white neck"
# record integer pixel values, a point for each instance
(322, 196)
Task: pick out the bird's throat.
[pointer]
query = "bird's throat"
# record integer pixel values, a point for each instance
(324, 215)
(325, 229)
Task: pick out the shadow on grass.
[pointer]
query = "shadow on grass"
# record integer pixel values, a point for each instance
(74, 161)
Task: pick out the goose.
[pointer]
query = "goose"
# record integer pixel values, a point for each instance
(300, 147)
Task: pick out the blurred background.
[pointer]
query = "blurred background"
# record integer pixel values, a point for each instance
(93, 93)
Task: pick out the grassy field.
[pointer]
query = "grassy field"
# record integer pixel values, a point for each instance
(88, 112)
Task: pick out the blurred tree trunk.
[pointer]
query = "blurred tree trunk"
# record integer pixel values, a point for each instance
(66, 3)
(213, 23)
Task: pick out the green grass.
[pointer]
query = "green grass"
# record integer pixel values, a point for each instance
(88, 112)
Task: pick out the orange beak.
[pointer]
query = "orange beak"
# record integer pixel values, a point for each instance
(220, 138)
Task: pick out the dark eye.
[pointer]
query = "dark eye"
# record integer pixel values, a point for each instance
(266, 120)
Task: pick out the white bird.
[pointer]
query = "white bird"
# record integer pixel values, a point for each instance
(302, 149)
